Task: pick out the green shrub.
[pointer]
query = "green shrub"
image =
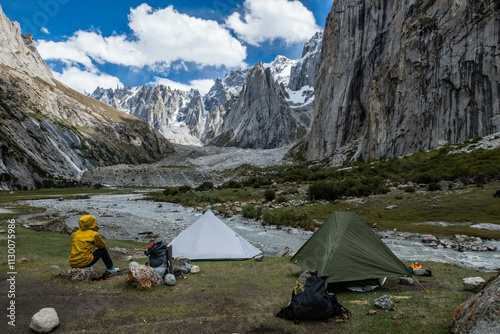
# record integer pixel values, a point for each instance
(251, 211)
(184, 189)
(281, 199)
(269, 195)
(433, 187)
(231, 184)
(170, 191)
(207, 185)
(410, 190)
(288, 217)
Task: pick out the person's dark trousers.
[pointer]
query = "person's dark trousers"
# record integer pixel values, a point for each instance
(102, 253)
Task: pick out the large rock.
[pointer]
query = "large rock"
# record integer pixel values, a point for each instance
(56, 225)
(44, 320)
(143, 277)
(480, 314)
(79, 274)
(397, 76)
(473, 283)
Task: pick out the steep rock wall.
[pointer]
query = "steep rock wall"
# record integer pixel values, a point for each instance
(397, 76)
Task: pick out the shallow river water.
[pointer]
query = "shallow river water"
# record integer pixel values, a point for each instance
(129, 217)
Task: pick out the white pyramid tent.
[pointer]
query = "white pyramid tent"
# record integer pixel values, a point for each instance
(210, 239)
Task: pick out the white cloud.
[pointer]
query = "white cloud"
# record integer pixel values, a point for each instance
(202, 85)
(160, 37)
(268, 20)
(45, 30)
(86, 81)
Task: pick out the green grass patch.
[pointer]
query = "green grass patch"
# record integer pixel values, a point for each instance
(225, 297)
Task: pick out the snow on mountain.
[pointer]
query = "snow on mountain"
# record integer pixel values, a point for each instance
(181, 115)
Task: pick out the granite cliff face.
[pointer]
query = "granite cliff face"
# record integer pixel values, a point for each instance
(49, 131)
(397, 76)
(258, 117)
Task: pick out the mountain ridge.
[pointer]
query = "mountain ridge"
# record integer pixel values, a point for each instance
(52, 133)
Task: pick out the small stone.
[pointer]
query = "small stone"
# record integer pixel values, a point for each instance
(473, 283)
(491, 247)
(371, 312)
(44, 320)
(194, 269)
(384, 302)
(422, 272)
(170, 279)
(429, 238)
(284, 251)
(391, 207)
(23, 260)
(406, 281)
(259, 258)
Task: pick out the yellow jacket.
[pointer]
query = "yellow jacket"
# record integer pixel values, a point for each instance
(83, 242)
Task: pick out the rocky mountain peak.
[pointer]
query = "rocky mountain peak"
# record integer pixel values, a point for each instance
(19, 52)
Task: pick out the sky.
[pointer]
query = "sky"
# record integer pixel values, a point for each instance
(181, 43)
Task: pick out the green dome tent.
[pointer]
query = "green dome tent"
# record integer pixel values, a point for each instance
(346, 249)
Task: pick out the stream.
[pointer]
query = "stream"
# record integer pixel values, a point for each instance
(128, 217)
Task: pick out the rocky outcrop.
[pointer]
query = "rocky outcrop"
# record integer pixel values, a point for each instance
(398, 76)
(19, 52)
(174, 113)
(303, 73)
(259, 117)
(50, 131)
(480, 313)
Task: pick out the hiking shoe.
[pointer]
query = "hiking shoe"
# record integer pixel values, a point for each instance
(112, 270)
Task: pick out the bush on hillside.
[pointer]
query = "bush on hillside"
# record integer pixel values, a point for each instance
(269, 195)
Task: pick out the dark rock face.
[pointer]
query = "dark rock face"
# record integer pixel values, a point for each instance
(259, 117)
(480, 313)
(397, 76)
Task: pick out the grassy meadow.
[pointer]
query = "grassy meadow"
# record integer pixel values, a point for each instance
(244, 296)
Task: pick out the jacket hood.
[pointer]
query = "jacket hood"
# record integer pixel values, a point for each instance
(88, 223)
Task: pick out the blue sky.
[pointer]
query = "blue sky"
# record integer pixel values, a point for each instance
(181, 43)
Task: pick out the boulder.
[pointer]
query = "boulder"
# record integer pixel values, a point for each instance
(143, 277)
(473, 283)
(384, 302)
(170, 279)
(44, 320)
(56, 225)
(79, 274)
(406, 280)
(284, 251)
(422, 272)
(480, 313)
(429, 238)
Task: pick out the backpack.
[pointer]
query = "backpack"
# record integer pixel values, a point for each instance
(160, 257)
(311, 301)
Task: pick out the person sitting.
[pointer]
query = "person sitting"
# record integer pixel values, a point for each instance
(82, 246)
